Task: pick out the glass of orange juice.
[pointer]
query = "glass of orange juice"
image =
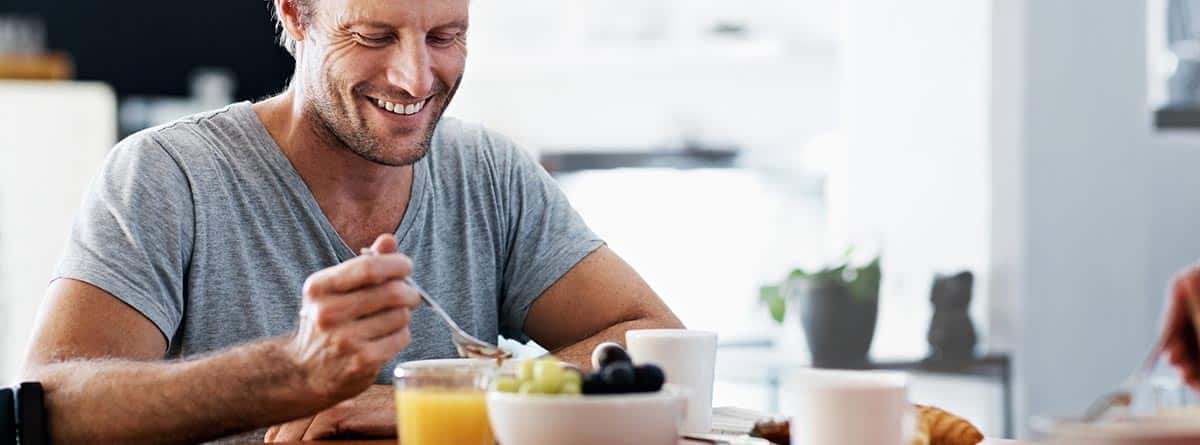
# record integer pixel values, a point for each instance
(443, 403)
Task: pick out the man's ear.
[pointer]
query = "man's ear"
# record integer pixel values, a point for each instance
(289, 16)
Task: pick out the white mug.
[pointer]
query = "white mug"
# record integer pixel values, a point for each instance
(687, 358)
(846, 407)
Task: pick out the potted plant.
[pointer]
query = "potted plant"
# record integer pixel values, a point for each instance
(838, 308)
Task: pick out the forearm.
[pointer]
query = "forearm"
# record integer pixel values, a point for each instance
(580, 353)
(175, 402)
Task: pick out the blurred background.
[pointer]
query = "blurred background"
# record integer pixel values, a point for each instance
(734, 152)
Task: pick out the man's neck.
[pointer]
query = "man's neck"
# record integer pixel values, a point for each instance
(327, 166)
(359, 197)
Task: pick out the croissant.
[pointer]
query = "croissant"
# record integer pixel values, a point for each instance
(934, 427)
(938, 427)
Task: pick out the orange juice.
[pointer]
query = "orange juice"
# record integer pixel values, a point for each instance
(442, 416)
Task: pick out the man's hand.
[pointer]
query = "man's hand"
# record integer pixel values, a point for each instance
(354, 319)
(370, 414)
(1179, 338)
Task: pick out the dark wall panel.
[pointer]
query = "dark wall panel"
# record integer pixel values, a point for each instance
(149, 47)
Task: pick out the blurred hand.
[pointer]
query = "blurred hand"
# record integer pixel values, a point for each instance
(1179, 337)
(354, 319)
(370, 414)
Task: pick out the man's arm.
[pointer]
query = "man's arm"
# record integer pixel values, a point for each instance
(91, 353)
(596, 301)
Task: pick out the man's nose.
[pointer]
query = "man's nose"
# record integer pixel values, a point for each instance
(411, 68)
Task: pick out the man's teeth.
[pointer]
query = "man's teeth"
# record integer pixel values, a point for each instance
(401, 108)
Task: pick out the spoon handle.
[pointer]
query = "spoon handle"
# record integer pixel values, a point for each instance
(433, 304)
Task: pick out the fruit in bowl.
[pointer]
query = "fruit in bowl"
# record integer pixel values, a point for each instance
(618, 403)
(542, 376)
(614, 374)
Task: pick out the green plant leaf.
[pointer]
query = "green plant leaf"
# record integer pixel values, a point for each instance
(776, 303)
(865, 285)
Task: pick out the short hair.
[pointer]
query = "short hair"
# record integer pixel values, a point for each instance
(305, 10)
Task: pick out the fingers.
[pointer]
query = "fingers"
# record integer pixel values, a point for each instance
(356, 273)
(1176, 317)
(1184, 291)
(1190, 287)
(332, 312)
(288, 432)
(385, 348)
(1180, 336)
(321, 428)
(380, 325)
(385, 244)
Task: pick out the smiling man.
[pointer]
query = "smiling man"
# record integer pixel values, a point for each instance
(226, 243)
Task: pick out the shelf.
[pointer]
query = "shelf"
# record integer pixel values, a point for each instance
(684, 159)
(1177, 118)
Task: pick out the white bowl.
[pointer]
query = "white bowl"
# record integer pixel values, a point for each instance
(616, 419)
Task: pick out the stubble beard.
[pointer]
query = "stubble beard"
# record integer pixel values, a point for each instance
(345, 128)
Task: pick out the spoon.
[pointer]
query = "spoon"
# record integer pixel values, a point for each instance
(467, 345)
(1122, 397)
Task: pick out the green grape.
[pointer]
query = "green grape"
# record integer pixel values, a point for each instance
(570, 388)
(571, 375)
(525, 374)
(529, 387)
(507, 384)
(549, 376)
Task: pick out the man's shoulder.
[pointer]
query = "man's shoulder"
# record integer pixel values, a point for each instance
(185, 137)
(201, 125)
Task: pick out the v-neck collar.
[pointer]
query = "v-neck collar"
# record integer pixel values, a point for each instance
(296, 182)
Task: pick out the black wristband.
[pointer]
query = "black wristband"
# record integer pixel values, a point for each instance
(8, 417)
(31, 414)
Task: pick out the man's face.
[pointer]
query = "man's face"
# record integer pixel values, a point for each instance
(361, 57)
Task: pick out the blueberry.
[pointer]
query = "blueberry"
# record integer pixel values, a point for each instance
(608, 353)
(593, 383)
(649, 378)
(619, 377)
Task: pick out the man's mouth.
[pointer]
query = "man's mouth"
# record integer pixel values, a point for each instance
(402, 109)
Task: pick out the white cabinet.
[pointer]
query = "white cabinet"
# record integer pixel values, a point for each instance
(53, 138)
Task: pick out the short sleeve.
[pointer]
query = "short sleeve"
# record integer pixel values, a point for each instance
(546, 237)
(133, 234)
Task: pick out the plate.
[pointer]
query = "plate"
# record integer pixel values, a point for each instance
(1157, 430)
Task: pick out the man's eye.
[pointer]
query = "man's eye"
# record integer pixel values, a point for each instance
(442, 41)
(374, 40)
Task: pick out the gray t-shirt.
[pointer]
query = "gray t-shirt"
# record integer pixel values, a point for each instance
(204, 227)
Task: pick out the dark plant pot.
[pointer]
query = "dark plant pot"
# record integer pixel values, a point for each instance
(839, 327)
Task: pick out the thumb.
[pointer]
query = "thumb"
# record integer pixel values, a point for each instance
(385, 244)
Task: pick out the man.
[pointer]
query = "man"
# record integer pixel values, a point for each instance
(204, 239)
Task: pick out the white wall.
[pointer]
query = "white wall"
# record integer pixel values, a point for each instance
(542, 76)
(915, 113)
(1108, 205)
(1039, 109)
(53, 137)
(577, 75)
